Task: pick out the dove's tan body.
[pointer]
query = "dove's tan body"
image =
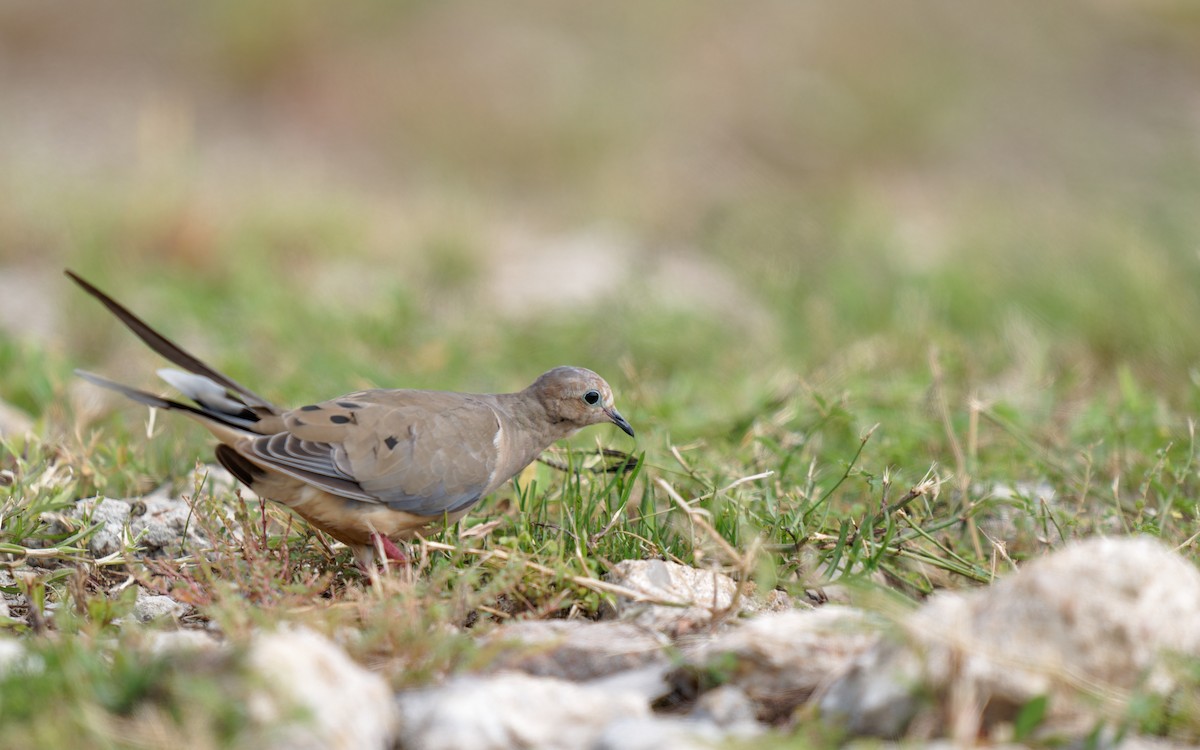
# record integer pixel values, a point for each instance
(378, 462)
(348, 524)
(398, 444)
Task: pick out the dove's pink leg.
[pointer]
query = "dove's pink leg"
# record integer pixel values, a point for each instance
(390, 550)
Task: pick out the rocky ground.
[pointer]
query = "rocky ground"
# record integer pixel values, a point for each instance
(688, 658)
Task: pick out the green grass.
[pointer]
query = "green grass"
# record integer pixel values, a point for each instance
(885, 450)
(877, 459)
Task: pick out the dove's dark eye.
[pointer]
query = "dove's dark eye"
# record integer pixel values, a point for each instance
(591, 397)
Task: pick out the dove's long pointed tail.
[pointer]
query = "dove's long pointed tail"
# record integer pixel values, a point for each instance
(167, 348)
(220, 424)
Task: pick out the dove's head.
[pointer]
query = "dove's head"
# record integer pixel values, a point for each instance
(577, 397)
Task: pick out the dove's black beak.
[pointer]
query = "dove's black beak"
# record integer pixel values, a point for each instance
(618, 420)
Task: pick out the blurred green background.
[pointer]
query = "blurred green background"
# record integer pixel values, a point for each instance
(709, 203)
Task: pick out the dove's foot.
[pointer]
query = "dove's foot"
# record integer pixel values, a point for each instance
(390, 550)
(371, 558)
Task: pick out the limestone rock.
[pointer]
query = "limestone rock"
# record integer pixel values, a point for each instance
(648, 683)
(12, 654)
(679, 599)
(726, 706)
(669, 733)
(149, 607)
(160, 524)
(512, 710)
(113, 514)
(778, 660)
(341, 704)
(166, 525)
(1085, 625)
(576, 649)
(166, 642)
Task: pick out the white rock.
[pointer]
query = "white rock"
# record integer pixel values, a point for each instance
(113, 514)
(676, 598)
(1150, 743)
(166, 525)
(575, 649)
(511, 710)
(7, 580)
(726, 706)
(154, 606)
(879, 694)
(165, 642)
(1098, 615)
(669, 733)
(161, 524)
(344, 705)
(779, 659)
(648, 683)
(12, 653)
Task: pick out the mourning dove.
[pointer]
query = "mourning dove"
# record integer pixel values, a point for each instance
(376, 466)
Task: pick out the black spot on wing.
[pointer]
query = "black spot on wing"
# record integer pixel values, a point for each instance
(391, 442)
(310, 407)
(341, 419)
(349, 404)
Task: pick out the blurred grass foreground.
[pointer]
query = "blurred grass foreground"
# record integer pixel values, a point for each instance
(855, 245)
